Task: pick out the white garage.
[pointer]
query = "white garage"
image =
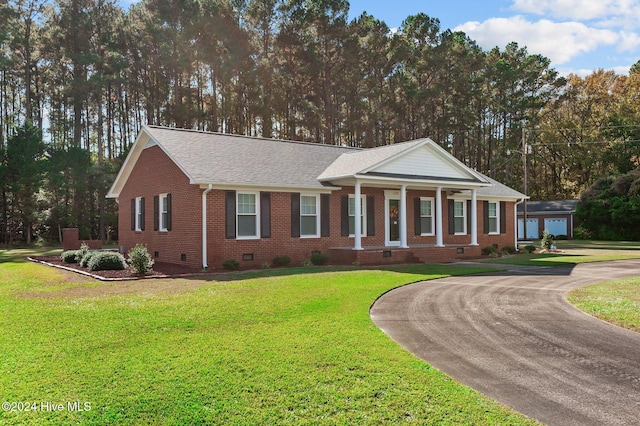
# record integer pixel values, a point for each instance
(556, 226)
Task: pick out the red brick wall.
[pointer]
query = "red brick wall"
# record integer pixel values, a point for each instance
(155, 174)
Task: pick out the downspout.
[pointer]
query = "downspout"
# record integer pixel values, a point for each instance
(204, 227)
(515, 220)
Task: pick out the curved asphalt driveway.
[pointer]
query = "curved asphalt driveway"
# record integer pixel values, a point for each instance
(512, 336)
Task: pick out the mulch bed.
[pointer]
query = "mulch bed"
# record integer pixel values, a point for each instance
(160, 270)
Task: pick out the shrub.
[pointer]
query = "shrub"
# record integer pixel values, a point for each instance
(306, 264)
(69, 256)
(84, 262)
(281, 261)
(231, 265)
(546, 241)
(106, 260)
(84, 250)
(581, 233)
(561, 237)
(265, 265)
(530, 248)
(319, 259)
(509, 250)
(489, 251)
(140, 259)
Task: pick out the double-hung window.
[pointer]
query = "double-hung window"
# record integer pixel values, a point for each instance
(426, 216)
(309, 215)
(247, 215)
(352, 215)
(494, 217)
(164, 212)
(139, 204)
(459, 217)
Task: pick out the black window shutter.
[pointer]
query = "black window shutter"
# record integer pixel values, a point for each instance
(295, 214)
(503, 217)
(230, 214)
(325, 215)
(168, 212)
(133, 214)
(469, 217)
(142, 219)
(371, 216)
(156, 213)
(417, 222)
(344, 215)
(452, 221)
(485, 214)
(265, 215)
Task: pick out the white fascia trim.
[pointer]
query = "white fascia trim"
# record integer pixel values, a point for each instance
(258, 188)
(412, 183)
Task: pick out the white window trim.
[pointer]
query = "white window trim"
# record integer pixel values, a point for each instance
(433, 204)
(257, 214)
(363, 212)
(497, 217)
(138, 221)
(317, 215)
(161, 225)
(464, 216)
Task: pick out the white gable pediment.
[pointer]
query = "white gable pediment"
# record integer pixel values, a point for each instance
(427, 161)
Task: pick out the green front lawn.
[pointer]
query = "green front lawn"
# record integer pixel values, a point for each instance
(617, 302)
(253, 349)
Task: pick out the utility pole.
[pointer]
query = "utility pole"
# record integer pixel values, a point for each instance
(524, 184)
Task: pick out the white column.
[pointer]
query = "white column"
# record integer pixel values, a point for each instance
(474, 218)
(403, 216)
(357, 238)
(439, 242)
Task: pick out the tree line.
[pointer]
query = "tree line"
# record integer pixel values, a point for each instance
(78, 78)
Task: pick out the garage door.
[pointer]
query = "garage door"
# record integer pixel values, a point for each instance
(532, 229)
(556, 226)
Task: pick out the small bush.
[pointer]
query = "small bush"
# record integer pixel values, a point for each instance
(231, 265)
(281, 261)
(547, 240)
(319, 259)
(489, 251)
(581, 233)
(84, 262)
(69, 256)
(509, 250)
(306, 264)
(266, 265)
(561, 237)
(106, 261)
(140, 259)
(84, 250)
(530, 248)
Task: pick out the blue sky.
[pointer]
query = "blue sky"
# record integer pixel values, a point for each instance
(579, 36)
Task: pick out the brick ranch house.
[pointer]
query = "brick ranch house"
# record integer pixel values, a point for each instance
(199, 198)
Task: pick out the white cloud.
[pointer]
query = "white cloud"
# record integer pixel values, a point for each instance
(559, 42)
(578, 10)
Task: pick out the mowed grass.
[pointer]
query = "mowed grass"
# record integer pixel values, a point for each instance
(617, 302)
(572, 252)
(299, 348)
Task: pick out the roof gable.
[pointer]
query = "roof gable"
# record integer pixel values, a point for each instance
(421, 158)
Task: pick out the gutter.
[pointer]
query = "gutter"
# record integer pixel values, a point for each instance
(515, 220)
(204, 227)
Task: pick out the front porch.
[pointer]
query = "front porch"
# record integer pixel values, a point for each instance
(382, 255)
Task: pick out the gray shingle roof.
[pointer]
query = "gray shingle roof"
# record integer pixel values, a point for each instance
(240, 160)
(221, 159)
(567, 206)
